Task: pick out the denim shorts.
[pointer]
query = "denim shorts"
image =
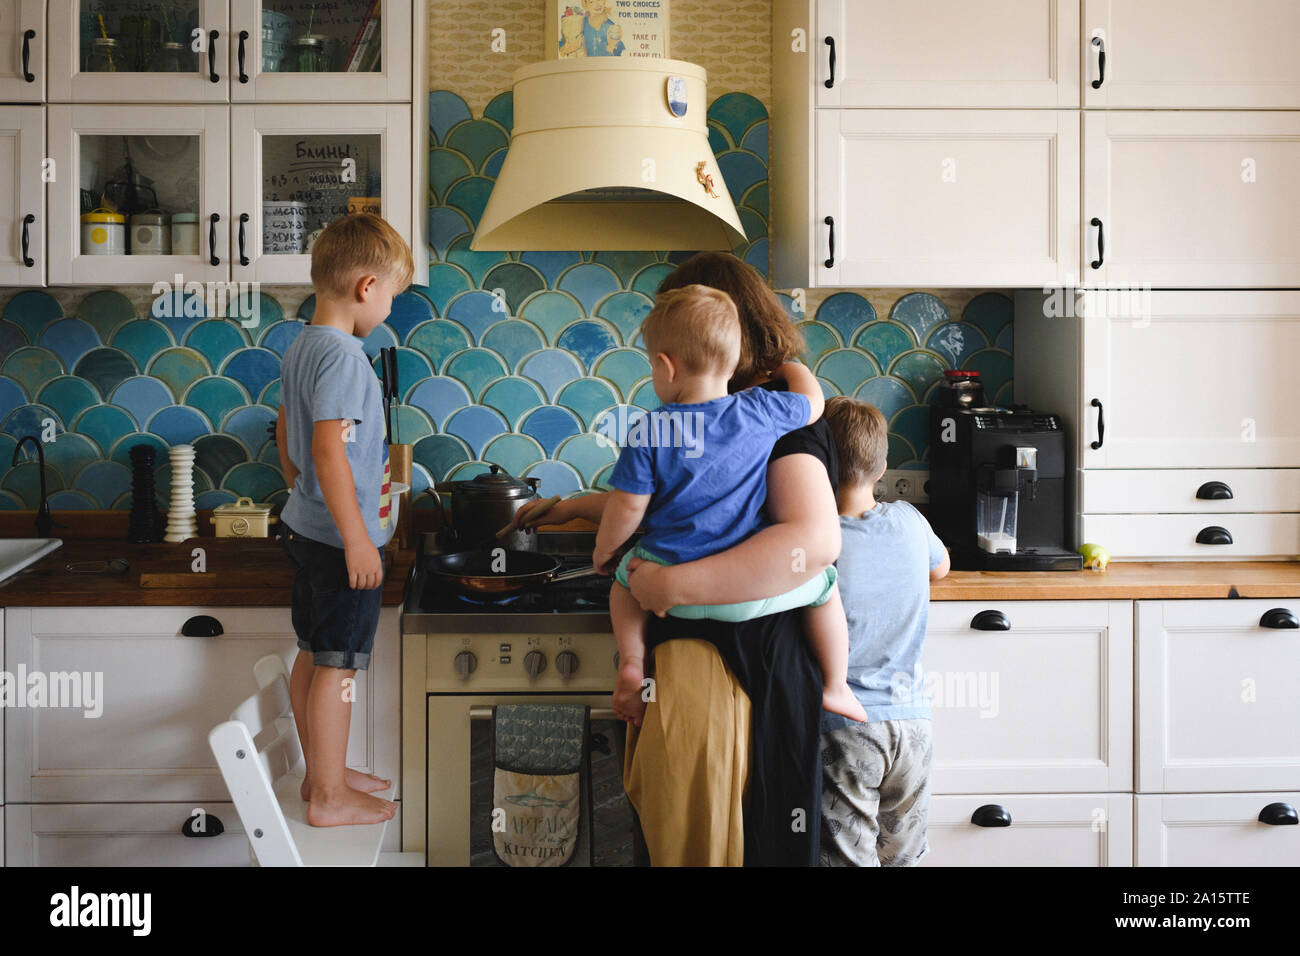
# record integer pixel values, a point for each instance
(333, 620)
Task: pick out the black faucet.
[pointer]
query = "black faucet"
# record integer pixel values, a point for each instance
(44, 521)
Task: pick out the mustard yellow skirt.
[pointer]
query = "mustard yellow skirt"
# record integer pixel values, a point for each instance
(687, 765)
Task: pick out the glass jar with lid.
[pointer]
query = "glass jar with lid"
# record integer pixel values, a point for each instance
(104, 56)
(309, 54)
(170, 58)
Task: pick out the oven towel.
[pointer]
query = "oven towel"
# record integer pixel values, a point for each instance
(540, 775)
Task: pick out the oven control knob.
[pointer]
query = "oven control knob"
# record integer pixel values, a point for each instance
(566, 662)
(534, 663)
(465, 663)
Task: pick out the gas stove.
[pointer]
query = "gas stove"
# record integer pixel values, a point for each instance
(581, 604)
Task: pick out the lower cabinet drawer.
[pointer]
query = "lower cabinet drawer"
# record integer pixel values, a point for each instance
(1037, 830)
(1217, 829)
(121, 834)
(1205, 537)
(1176, 490)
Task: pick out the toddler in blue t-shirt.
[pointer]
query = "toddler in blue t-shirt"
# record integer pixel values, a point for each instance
(694, 474)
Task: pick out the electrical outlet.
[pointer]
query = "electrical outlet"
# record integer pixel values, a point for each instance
(903, 486)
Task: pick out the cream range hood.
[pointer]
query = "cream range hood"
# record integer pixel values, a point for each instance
(599, 160)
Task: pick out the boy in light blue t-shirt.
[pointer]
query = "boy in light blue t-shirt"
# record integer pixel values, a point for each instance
(695, 470)
(878, 771)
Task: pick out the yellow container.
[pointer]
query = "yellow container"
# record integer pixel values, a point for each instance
(103, 233)
(243, 519)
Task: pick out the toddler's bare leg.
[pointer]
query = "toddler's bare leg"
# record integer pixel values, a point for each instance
(629, 632)
(828, 633)
(333, 802)
(299, 689)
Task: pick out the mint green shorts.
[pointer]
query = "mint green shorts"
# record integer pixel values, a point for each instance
(812, 593)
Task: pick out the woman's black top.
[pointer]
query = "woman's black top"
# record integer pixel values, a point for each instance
(773, 663)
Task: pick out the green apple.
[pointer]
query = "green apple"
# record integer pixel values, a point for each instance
(1095, 556)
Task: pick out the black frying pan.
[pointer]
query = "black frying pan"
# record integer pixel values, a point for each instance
(500, 573)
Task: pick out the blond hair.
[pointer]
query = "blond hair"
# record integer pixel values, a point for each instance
(358, 245)
(697, 326)
(861, 439)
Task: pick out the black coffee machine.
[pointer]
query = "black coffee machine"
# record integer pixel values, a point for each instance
(999, 495)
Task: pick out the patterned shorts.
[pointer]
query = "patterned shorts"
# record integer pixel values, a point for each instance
(876, 793)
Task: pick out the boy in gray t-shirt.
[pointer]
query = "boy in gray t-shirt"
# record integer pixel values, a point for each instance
(879, 770)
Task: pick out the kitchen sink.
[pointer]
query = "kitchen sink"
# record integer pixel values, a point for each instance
(18, 553)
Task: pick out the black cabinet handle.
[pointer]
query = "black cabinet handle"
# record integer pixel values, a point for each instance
(1280, 618)
(1101, 243)
(212, 239)
(28, 219)
(1214, 491)
(28, 37)
(991, 815)
(202, 625)
(830, 221)
(1214, 535)
(243, 259)
(830, 42)
(1101, 63)
(212, 827)
(1279, 815)
(212, 57)
(1101, 424)
(990, 621)
(243, 38)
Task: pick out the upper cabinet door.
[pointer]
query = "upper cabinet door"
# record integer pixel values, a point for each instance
(1191, 54)
(1198, 200)
(22, 51)
(978, 53)
(112, 51)
(295, 169)
(947, 197)
(22, 197)
(302, 51)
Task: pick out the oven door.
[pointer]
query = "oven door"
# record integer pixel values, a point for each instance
(459, 805)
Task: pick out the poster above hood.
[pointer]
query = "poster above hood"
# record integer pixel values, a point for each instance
(609, 155)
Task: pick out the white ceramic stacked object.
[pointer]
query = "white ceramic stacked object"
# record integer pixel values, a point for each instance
(182, 523)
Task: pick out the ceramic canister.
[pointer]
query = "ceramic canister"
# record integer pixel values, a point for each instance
(185, 234)
(103, 233)
(151, 234)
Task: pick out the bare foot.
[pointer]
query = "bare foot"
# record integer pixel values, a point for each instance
(840, 700)
(628, 703)
(349, 807)
(364, 782)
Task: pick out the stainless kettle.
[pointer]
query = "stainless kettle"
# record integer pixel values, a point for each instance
(483, 505)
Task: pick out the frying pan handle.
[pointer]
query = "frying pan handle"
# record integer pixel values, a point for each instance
(574, 575)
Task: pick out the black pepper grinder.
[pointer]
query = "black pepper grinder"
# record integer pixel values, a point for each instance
(146, 524)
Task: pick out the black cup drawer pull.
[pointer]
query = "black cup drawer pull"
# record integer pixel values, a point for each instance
(1280, 618)
(211, 826)
(991, 815)
(990, 621)
(202, 625)
(1279, 815)
(1214, 491)
(1214, 535)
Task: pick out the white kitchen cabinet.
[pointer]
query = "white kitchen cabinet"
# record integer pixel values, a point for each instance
(1191, 54)
(1031, 830)
(131, 834)
(22, 198)
(22, 51)
(984, 53)
(184, 149)
(1195, 537)
(74, 78)
(1042, 705)
(162, 694)
(1215, 830)
(946, 197)
(326, 157)
(268, 77)
(1203, 491)
(1191, 199)
(1218, 691)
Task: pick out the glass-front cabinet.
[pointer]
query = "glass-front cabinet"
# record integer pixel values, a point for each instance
(141, 194)
(297, 168)
(314, 51)
(22, 51)
(115, 50)
(22, 196)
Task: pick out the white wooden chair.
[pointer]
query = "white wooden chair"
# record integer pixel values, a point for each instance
(264, 781)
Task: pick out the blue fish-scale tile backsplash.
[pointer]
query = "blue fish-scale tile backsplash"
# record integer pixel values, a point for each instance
(514, 359)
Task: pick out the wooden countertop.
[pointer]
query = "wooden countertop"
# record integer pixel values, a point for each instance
(253, 572)
(1128, 580)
